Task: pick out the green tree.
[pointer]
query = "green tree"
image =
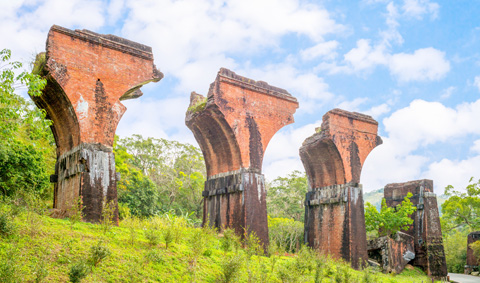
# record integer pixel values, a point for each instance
(286, 196)
(26, 142)
(389, 220)
(159, 175)
(462, 209)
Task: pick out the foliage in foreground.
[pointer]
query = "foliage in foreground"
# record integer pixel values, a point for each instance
(460, 216)
(42, 249)
(26, 142)
(389, 220)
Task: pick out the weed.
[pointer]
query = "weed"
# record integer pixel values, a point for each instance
(168, 236)
(7, 227)
(108, 211)
(152, 236)
(9, 271)
(78, 271)
(252, 244)
(229, 241)
(97, 253)
(230, 268)
(154, 255)
(40, 270)
(74, 211)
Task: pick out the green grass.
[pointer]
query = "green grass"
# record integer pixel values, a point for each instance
(43, 249)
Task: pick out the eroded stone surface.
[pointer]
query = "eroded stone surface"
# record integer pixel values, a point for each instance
(426, 229)
(392, 254)
(87, 76)
(333, 160)
(233, 127)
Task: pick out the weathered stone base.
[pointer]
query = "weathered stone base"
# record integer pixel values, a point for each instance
(472, 262)
(392, 254)
(87, 171)
(335, 222)
(237, 200)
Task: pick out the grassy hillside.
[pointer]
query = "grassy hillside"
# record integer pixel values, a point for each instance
(37, 248)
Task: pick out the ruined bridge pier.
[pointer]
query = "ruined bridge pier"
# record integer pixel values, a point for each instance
(233, 126)
(88, 74)
(426, 229)
(333, 159)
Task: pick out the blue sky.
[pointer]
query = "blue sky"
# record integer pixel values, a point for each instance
(414, 65)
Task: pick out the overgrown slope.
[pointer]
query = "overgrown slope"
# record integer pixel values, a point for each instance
(42, 249)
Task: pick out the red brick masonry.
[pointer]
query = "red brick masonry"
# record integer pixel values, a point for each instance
(333, 160)
(233, 126)
(426, 229)
(88, 74)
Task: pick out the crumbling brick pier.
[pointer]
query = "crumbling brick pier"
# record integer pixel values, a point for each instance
(233, 126)
(333, 159)
(473, 264)
(88, 74)
(426, 229)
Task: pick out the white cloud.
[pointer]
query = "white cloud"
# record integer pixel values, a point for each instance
(414, 127)
(195, 31)
(424, 64)
(476, 82)
(475, 147)
(352, 105)
(453, 172)
(323, 50)
(282, 156)
(446, 93)
(378, 110)
(418, 8)
(25, 32)
(365, 57)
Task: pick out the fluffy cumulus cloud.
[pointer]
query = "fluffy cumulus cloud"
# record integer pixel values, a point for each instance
(187, 36)
(415, 127)
(424, 64)
(281, 156)
(323, 50)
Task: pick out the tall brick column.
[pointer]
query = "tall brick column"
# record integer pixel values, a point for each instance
(233, 126)
(88, 74)
(333, 160)
(426, 229)
(472, 263)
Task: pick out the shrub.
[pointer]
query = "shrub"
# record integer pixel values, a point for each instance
(7, 227)
(97, 253)
(78, 271)
(285, 233)
(389, 220)
(229, 241)
(230, 267)
(152, 236)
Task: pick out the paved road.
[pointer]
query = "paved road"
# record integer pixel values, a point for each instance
(462, 278)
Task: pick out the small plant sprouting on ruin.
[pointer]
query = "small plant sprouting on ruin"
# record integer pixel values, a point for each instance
(198, 106)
